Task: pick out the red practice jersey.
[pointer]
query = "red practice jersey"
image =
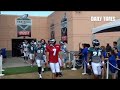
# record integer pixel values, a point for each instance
(53, 53)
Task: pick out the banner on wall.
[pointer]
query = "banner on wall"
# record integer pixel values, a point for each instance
(52, 31)
(23, 26)
(64, 34)
(52, 34)
(64, 29)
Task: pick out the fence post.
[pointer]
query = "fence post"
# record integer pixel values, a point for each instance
(1, 70)
(107, 73)
(69, 59)
(74, 63)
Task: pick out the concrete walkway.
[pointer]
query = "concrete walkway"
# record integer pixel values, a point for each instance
(14, 62)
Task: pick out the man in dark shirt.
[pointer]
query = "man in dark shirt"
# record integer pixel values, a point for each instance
(108, 48)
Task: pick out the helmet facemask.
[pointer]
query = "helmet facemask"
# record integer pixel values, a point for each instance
(96, 43)
(52, 42)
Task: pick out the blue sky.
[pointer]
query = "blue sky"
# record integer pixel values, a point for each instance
(30, 13)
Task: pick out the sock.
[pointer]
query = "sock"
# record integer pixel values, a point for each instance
(60, 74)
(57, 74)
(24, 57)
(40, 76)
(42, 69)
(39, 70)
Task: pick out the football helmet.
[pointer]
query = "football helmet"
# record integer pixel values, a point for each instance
(38, 44)
(26, 42)
(61, 42)
(31, 43)
(51, 41)
(95, 43)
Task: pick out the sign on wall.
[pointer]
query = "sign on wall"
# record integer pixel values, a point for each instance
(52, 34)
(23, 26)
(52, 31)
(64, 29)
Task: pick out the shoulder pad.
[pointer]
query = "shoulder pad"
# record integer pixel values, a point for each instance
(90, 48)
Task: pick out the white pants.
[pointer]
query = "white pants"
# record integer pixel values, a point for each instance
(60, 62)
(96, 68)
(44, 56)
(31, 56)
(39, 62)
(55, 67)
(25, 54)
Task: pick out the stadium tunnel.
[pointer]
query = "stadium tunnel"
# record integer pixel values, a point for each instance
(16, 46)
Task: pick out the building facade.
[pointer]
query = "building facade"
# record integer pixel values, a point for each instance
(78, 28)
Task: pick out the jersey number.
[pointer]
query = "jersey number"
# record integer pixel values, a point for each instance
(39, 51)
(95, 53)
(54, 52)
(32, 48)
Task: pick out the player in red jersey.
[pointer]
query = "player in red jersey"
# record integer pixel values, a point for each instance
(53, 52)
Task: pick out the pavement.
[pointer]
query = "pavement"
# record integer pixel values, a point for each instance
(14, 62)
(67, 74)
(19, 62)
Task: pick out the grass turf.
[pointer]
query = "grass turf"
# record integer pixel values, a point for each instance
(20, 70)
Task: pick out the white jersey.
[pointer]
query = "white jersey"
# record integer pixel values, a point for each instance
(25, 47)
(64, 48)
(35, 43)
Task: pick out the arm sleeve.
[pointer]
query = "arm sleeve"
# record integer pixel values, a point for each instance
(59, 48)
(46, 49)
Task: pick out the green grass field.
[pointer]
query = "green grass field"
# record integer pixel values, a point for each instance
(25, 69)
(20, 70)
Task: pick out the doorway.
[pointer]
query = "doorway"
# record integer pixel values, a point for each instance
(16, 46)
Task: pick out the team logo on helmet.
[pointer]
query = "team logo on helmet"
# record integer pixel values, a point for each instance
(52, 41)
(95, 42)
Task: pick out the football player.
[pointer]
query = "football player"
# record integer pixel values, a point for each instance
(53, 52)
(25, 50)
(63, 53)
(97, 59)
(43, 42)
(39, 52)
(31, 49)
